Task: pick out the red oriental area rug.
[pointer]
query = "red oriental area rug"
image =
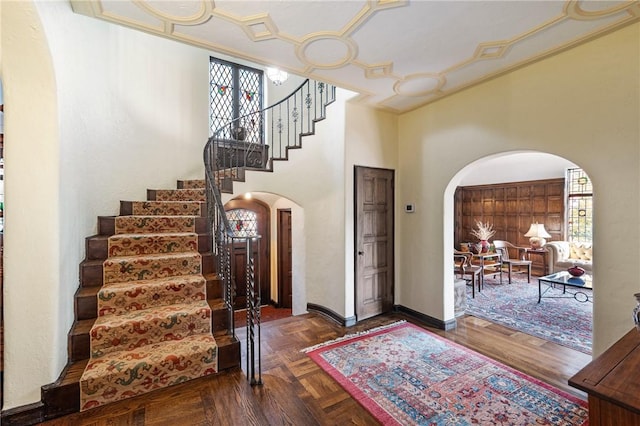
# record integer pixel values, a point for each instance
(403, 374)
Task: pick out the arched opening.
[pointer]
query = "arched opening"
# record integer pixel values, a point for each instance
(510, 191)
(278, 238)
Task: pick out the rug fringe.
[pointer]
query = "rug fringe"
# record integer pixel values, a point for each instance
(351, 336)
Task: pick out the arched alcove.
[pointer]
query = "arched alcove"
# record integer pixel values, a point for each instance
(276, 204)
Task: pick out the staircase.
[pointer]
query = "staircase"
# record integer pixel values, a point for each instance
(155, 302)
(150, 310)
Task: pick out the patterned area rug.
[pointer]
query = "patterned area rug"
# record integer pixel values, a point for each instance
(564, 321)
(403, 375)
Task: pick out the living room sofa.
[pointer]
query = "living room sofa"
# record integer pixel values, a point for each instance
(563, 254)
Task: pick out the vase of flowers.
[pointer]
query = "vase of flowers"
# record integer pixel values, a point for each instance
(483, 232)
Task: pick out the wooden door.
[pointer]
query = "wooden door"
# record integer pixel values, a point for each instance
(285, 283)
(261, 251)
(374, 257)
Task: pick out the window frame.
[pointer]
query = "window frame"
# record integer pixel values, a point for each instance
(579, 206)
(236, 87)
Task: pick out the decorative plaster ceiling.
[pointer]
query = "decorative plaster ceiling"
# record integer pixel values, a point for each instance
(397, 54)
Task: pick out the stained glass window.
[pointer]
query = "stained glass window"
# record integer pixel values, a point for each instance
(243, 222)
(235, 91)
(579, 206)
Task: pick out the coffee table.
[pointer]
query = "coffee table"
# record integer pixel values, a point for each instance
(565, 279)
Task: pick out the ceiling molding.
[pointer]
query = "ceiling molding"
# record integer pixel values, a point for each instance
(398, 55)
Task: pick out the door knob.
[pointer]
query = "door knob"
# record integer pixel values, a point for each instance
(360, 253)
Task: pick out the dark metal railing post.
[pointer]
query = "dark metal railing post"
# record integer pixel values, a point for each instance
(253, 312)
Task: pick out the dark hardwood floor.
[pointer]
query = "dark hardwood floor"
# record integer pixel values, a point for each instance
(297, 392)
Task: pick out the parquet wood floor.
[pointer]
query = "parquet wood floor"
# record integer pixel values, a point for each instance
(297, 392)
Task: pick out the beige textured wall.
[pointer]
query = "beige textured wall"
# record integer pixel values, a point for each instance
(314, 179)
(582, 105)
(33, 355)
(371, 141)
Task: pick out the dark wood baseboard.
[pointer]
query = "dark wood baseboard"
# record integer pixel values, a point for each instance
(24, 415)
(418, 316)
(426, 319)
(345, 322)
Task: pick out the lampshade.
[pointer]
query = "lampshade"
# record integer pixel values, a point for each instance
(277, 76)
(537, 235)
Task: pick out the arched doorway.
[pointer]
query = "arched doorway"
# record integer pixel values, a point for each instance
(506, 191)
(249, 218)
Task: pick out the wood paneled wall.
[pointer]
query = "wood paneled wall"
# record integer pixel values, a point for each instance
(511, 208)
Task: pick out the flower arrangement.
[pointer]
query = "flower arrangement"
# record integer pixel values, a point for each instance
(484, 231)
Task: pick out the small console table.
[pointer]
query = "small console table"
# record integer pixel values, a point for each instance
(542, 252)
(490, 264)
(612, 382)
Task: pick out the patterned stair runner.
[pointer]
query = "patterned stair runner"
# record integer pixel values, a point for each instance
(166, 208)
(154, 323)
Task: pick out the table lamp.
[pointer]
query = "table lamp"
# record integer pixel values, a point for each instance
(537, 235)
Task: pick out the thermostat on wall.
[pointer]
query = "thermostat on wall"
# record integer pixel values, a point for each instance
(409, 208)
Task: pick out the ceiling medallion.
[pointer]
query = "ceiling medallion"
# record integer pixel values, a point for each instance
(327, 43)
(574, 10)
(421, 84)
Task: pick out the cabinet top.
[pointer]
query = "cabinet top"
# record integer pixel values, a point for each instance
(614, 375)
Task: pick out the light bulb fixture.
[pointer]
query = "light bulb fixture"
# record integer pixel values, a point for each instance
(537, 235)
(277, 76)
(248, 196)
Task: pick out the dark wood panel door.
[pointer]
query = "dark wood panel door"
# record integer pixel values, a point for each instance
(285, 276)
(374, 257)
(260, 251)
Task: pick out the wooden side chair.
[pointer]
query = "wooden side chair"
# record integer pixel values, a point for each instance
(467, 271)
(520, 262)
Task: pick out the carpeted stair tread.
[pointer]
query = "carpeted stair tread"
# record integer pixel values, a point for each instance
(149, 326)
(123, 297)
(124, 374)
(177, 195)
(191, 184)
(154, 224)
(150, 266)
(161, 208)
(141, 244)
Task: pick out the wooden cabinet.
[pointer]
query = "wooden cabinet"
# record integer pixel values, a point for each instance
(612, 382)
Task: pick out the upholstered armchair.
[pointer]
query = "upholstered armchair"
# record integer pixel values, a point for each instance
(519, 262)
